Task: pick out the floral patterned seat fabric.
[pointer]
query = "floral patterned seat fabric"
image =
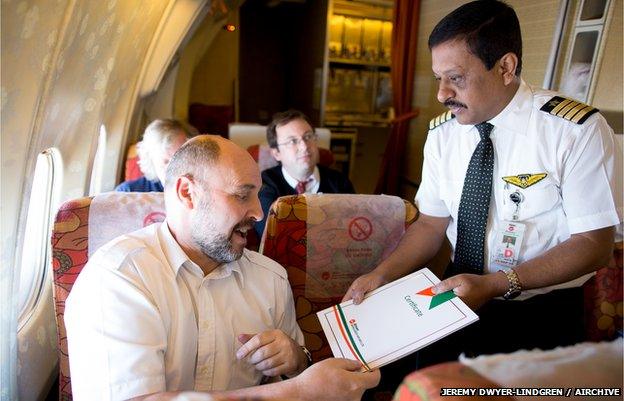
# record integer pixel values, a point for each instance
(82, 225)
(325, 241)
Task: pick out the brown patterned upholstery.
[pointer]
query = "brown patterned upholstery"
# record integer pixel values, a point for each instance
(603, 300)
(286, 241)
(70, 250)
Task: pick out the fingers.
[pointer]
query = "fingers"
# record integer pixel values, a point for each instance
(372, 378)
(356, 292)
(243, 338)
(447, 285)
(347, 295)
(264, 353)
(252, 344)
(348, 364)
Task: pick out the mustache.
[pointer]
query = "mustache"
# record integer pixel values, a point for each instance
(453, 103)
(247, 223)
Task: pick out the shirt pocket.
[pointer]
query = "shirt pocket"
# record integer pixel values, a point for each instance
(538, 200)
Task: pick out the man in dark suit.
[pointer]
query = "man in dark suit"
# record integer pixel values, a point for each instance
(293, 143)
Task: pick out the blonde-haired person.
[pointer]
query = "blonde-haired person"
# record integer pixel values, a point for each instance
(161, 139)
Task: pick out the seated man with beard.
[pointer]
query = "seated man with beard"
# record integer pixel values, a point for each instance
(183, 306)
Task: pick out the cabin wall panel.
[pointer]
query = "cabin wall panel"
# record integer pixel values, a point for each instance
(67, 67)
(215, 75)
(608, 95)
(30, 31)
(537, 22)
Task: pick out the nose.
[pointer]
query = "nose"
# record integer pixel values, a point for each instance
(303, 144)
(444, 91)
(256, 210)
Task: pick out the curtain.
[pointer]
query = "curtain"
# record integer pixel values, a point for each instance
(403, 65)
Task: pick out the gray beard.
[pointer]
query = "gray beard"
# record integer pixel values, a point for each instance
(217, 248)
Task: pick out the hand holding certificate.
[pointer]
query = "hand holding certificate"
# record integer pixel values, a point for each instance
(394, 320)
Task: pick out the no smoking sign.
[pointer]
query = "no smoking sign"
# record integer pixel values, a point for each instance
(360, 228)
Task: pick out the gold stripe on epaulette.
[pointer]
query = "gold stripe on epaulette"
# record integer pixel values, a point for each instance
(581, 114)
(441, 119)
(568, 109)
(560, 106)
(577, 107)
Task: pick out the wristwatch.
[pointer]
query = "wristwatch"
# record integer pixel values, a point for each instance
(307, 354)
(514, 284)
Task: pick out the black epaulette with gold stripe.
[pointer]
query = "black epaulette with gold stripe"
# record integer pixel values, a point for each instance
(569, 109)
(441, 119)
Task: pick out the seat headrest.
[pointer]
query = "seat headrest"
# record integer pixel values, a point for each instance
(112, 214)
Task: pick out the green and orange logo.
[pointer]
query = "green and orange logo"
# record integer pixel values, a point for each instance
(436, 299)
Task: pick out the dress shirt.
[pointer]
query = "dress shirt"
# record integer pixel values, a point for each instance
(578, 194)
(312, 185)
(142, 318)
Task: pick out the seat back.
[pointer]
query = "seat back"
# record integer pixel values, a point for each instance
(324, 242)
(132, 169)
(262, 155)
(246, 135)
(81, 226)
(603, 300)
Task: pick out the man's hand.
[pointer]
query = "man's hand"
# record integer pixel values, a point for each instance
(475, 290)
(363, 284)
(335, 380)
(273, 353)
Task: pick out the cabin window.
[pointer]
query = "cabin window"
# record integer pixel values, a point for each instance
(95, 185)
(36, 247)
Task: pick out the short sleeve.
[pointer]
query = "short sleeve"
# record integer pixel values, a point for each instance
(428, 198)
(590, 188)
(116, 338)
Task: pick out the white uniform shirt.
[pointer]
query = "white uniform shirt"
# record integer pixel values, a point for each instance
(313, 184)
(142, 318)
(578, 194)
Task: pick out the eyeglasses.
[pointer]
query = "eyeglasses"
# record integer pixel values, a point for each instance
(310, 137)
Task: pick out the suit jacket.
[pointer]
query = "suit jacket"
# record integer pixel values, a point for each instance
(141, 184)
(274, 185)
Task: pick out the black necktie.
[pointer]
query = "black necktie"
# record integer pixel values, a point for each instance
(474, 205)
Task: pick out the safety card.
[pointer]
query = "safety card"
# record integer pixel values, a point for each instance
(394, 320)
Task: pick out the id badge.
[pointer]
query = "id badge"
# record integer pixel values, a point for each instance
(507, 245)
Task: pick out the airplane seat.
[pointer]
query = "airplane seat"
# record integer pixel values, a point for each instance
(603, 299)
(324, 242)
(81, 226)
(132, 169)
(262, 154)
(249, 134)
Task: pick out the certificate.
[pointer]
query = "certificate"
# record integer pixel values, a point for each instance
(394, 320)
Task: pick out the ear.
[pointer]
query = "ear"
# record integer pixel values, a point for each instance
(276, 154)
(507, 65)
(184, 192)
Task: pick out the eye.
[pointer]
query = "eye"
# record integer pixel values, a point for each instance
(456, 78)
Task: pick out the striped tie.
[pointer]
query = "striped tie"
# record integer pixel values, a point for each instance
(301, 186)
(474, 205)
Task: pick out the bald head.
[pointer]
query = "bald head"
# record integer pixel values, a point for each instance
(211, 198)
(199, 157)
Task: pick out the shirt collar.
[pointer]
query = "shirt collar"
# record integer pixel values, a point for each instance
(176, 257)
(171, 249)
(314, 178)
(516, 115)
